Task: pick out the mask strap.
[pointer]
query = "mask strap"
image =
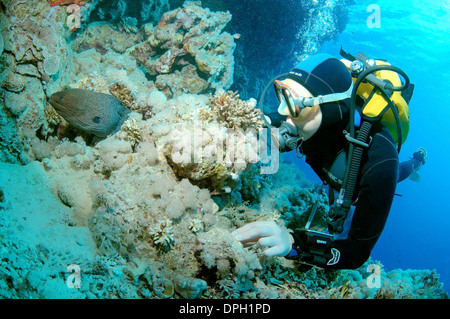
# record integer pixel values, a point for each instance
(310, 102)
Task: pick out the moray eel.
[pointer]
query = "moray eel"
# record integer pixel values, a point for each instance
(92, 112)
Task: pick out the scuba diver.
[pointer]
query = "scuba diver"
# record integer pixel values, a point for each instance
(349, 119)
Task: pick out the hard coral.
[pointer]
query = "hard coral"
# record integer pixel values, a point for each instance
(124, 95)
(227, 109)
(34, 60)
(162, 234)
(132, 131)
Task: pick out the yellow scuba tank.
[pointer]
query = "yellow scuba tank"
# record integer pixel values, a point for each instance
(377, 107)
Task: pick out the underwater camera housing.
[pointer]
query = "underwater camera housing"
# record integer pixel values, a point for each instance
(316, 248)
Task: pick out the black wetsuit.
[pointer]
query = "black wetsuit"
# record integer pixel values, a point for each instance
(379, 174)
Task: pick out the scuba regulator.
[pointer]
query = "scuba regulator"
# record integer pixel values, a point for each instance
(288, 138)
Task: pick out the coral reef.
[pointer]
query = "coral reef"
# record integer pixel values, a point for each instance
(103, 37)
(394, 284)
(209, 154)
(39, 58)
(189, 43)
(186, 52)
(119, 257)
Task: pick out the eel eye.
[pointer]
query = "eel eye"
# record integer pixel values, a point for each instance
(96, 120)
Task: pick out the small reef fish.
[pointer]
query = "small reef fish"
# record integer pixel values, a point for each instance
(65, 2)
(92, 112)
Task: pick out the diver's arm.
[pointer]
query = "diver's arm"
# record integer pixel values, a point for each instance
(322, 250)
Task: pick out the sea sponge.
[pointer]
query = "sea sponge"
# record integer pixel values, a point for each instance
(163, 288)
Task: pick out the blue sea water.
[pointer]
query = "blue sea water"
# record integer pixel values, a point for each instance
(413, 35)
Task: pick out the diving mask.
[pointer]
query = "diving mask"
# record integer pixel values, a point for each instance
(291, 99)
(294, 99)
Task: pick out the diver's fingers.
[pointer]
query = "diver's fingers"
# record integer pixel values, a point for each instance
(277, 250)
(275, 245)
(268, 241)
(253, 231)
(247, 243)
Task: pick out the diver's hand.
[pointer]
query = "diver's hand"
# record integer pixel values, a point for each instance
(275, 240)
